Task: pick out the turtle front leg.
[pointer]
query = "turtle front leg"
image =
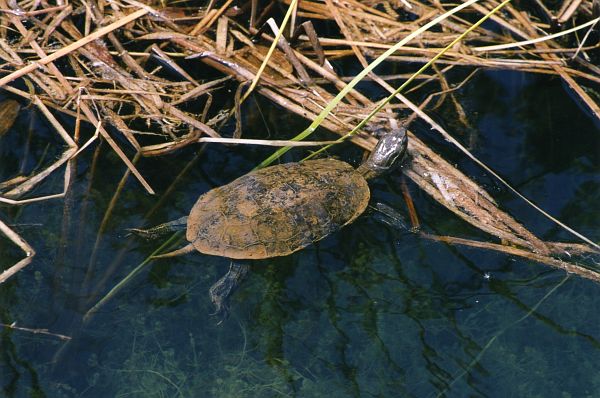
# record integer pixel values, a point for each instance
(390, 216)
(160, 230)
(222, 290)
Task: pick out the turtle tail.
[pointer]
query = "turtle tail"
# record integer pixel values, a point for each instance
(184, 250)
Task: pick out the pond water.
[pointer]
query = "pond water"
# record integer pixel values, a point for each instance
(372, 311)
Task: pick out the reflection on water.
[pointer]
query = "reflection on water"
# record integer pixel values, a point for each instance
(371, 311)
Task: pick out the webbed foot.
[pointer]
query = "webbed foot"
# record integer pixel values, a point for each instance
(390, 216)
(160, 230)
(222, 290)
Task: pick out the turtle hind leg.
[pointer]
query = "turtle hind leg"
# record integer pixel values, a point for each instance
(156, 232)
(222, 290)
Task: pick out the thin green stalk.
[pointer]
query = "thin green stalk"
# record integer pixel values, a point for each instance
(130, 276)
(383, 102)
(333, 103)
(271, 49)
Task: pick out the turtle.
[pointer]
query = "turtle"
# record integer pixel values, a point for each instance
(278, 210)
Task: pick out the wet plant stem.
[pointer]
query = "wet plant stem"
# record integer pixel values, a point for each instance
(130, 276)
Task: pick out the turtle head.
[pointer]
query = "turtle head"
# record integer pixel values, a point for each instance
(388, 153)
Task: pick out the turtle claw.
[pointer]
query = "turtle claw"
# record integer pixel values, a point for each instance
(221, 312)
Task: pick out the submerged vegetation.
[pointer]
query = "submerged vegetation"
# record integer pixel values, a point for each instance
(152, 80)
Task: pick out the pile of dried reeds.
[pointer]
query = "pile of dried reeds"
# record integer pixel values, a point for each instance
(103, 77)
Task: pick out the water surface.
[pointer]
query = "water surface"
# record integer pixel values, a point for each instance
(369, 312)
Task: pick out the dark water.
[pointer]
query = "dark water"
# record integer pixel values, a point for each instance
(371, 311)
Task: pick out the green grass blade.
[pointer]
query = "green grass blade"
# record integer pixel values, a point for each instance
(130, 276)
(286, 18)
(383, 102)
(333, 103)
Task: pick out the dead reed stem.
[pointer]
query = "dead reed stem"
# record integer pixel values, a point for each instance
(108, 77)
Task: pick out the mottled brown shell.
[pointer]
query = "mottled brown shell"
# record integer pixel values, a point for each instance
(277, 210)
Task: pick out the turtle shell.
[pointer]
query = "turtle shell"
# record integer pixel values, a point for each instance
(277, 210)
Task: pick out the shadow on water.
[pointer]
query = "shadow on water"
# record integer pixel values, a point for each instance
(370, 311)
